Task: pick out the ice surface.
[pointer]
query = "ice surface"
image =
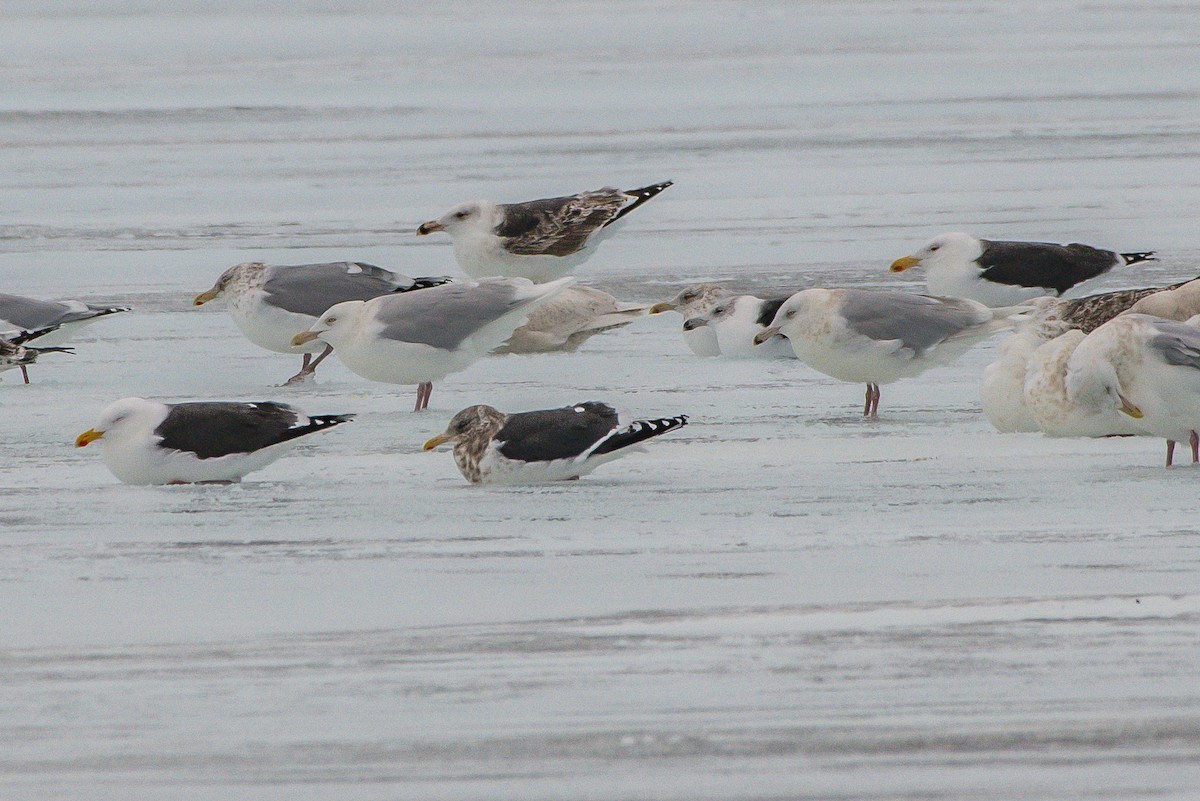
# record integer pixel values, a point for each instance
(778, 601)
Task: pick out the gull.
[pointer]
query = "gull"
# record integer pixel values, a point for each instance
(146, 442)
(1006, 273)
(491, 447)
(1145, 367)
(15, 353)
(269, 303)
(877, 337)
(422, 337)
(693, 302)
(1048, 402)
(736, 320)
(568, 319)
(539, 239)
(57, 321)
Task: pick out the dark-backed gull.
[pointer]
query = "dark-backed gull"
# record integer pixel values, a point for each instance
(877, 337)
(693, 302)
(538, 239)
(269, 303)
(1005, 273)
(421, 337)
(491, 447)
(146, 442)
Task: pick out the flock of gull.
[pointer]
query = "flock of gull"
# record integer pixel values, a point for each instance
(1116, 364)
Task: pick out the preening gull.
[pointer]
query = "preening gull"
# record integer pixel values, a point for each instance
(1179, 302)
(491, 447)
(1002, 391)
(271, 302)
(1005, 273)
(538, 239)
(736, 320)
(14, 353)
(1050, 406)
(1147, 368)
(145, 442)
(692, 302)
(421, 337)
(570, 318)
(53, 322)
(877, 337)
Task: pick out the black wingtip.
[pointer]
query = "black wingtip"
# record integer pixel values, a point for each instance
(327, 420)
(40, 351)
(639, 431)
(427, 281)
(25, 336)
(1137, 258)
(642, 195)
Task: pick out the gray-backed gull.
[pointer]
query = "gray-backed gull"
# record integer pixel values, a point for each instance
(491, 447)
(145, 442)
(269, 303)
(693, 302)
(538, 239)
(49, 322)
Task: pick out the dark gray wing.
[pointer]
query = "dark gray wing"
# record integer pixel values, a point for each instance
(555, 433)
(558, 226)
(918, 321)
(1043, 264)
(310, 289)
(211, 429)
(444, 316)
(1176, 343)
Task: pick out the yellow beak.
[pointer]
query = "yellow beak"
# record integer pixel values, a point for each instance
(303, 337)
(902, 264)
(440, 439)
(91, 435)
(1130, 409)
(205, 297)
(665, 306)
(766, 334)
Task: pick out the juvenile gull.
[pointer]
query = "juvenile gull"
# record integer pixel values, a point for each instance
(15, 353)
(693, 302)
(736, 320)
(269, 303)
(491, 447)
(876, 337)
(145, 442)
(538, 239)
(1179, 302)
(53, 322)
(1048, 402)
(1145, 367)
(570, 318)
(1002, 391)
(421, 337)
(1005, 273)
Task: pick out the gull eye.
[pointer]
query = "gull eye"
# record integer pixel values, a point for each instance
(790, 313)
(934, 247)
(460, 426)
(688, 297)
(330, 320)
(462, 215)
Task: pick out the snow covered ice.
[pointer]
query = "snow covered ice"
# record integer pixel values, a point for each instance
(780, 600)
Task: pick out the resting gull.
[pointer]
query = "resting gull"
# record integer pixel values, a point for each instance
(692, 302)
(877, 337)
(1002, 391)
(538, 239)
(1145, 367)
(421, 337)
(145, 442)
(1046, 397)
(736, 320)
(56, 320)
(491, 447)
(271, 302)
(15, 353)
(1005, 273)
(570, 318)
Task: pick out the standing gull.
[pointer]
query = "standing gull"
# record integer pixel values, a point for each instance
(491, 447)
(1005, 273)
(693, 302)
(422, 337)
(877, 337)
(14, 353)
(570, 318)
(56, 320)
(270, 303)
(539, 239)
(1145, 367)
(145, 442)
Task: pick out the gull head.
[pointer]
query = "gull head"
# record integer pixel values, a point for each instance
(692, 301)
(479, 421)
(119, 417)
(334, 326)
(222, 283)
(790, 315)
(952, 248)
(477, 215)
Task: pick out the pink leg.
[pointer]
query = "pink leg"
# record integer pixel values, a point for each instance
(873, 400)
(25, 373)
(428, 394)
(424, 390)
(308, 366)
(867, 404)
(1194, 439)
(1170, 451)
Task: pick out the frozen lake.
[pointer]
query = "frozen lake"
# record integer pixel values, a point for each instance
(780, 601)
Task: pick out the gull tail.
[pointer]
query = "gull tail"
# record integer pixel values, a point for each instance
(641, 196)
(638, 431)
(1138, 258)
